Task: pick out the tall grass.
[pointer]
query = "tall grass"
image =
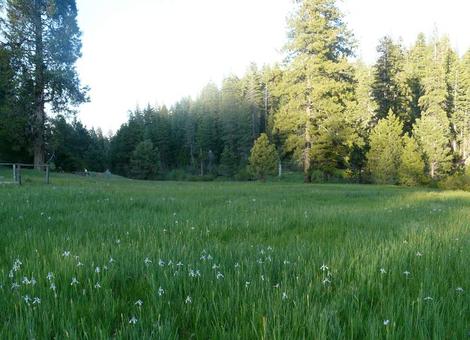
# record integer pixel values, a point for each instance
(139, 260)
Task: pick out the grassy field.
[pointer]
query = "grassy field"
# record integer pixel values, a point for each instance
(99, 258)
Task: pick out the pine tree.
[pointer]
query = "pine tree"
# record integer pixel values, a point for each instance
(386, 149)
(44, 40)
(319, 82)
(145, 161)
(263, 159)
(434, 145)
(411, 169)
(460, 119)
(389, 88)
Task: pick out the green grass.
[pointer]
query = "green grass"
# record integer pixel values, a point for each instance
(267, 242)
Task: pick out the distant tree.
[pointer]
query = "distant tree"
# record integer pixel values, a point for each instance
(145, 161)
(44, 40)
(411, 169)
(228, 163)
(389, 88)
(434, 144)
(385, 150)
(263, 159)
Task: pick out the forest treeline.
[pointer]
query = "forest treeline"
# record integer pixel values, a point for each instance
(404, 120)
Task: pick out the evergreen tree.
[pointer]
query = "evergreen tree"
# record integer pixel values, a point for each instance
(411, 169)
(318, 84)
(434, 145)
(228, 162)
(263, 158)
(460, 119)
(145, 161)
(386, 149)
(44, 40)
(389, 88)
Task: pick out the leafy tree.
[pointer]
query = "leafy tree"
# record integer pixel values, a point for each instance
(434, 144)
(228, 163)
(318, 83)
(263, 159)
(145, 161)
(389, 88)
(44, 40)
(386, 149)
(411, 169)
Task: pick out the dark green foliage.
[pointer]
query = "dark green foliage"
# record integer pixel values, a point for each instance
(145, 161)
(389, 88)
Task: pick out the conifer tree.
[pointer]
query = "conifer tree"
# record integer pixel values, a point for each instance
(386, 149)
(44, 40)
(411, 169)
(145, 161)
(389, 88)
(434, 145)
(263, 158)
(319, 82)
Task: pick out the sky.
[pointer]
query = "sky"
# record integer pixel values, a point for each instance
(139, 52)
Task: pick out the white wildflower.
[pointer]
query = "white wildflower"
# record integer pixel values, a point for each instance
(50, 276)
(53, 287)
(406, 273)
(133, 320)
(326, 281)
(66, 253)
(15, 285)
(383, 271)
(324, 267)
(188, 300)
(428, 298)
(97, 270)
(147, 261)
(459, 289)
(284, 296)
(36, 301)
(139, 303)
(161, 263)
(220, 276)
(97, 285)
(386, 322)
(419, 254)
(161, 291)
(74, 281)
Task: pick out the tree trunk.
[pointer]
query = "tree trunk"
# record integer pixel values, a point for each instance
(39, 86)
(433, 170)
(307, 174)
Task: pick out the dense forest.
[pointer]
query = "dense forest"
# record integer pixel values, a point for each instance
(404, 120)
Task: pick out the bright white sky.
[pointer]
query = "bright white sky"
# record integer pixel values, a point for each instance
(157, 51)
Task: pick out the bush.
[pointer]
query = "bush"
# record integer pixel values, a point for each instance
(455, 182)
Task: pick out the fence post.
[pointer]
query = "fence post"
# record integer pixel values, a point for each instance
(14, 172)
(18, 174)
(47, 174)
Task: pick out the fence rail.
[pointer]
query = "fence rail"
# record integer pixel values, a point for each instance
(16, 171)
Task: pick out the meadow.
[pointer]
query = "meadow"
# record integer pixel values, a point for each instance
(97, 258)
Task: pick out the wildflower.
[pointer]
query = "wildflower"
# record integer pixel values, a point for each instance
(97, 285)
(324, 267)
(262, 277)
(53, 287)
(74, 281)
(26, 299)
(79, 264)
(36, 301)
(209, 257)
(170, 263)
(215, 266)
(118, 241)
(25, 281)
(459, 289)
(161, 263)
(15, 285)
(105, 267)
(406, 273)
(10, 274)
(97, 270)
(220, 276)
(188, 300)
(386, 322)
(247, 283)
(326, 281)
(179, 264)
(203, 257)
(284, 296)
(419, 254)
(276, 285)
(66, 253)
(237, 265)
(147, 261)
(161, 291)
(139, 303)
(111, 260)
(286, 262)
(50, 276)
(428, 298)
(383, 271)
(133, 320)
